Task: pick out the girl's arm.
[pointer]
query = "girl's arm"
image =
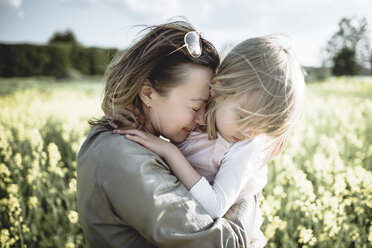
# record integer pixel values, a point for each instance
(172, 155)
(237, 169)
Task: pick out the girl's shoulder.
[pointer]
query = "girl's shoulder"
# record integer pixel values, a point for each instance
(197, 135)
(247, 147)
(195, 139)
(196, 144)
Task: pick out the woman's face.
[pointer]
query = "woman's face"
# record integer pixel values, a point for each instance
(175, 115)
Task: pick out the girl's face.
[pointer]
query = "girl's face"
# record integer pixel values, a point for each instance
(227, 118)
(175, 115)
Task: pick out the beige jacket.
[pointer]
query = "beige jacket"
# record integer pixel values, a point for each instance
(127, 197)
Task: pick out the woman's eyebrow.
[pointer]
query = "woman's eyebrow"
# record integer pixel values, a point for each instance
(200, 99)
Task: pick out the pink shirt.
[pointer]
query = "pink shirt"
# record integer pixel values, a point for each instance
(203, 154)
(206, 156)
(229, 172)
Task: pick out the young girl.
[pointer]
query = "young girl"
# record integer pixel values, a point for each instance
(255, 98)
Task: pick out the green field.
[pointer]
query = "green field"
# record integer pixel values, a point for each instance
(319, 191)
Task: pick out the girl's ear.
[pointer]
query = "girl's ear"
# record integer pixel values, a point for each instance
(147, 93)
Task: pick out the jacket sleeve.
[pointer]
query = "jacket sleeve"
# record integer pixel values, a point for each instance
(142, 191)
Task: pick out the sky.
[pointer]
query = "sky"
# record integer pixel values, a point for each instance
(309, 24)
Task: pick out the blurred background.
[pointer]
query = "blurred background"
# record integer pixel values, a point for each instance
(318, 30)
(53, 54)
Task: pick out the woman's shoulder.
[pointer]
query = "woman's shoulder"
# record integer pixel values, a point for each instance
(113, 150)
(102, 139)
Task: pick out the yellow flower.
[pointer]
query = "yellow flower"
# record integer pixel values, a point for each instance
(73, 216)
(18, 160)
(54, 154)
(13, 189)
(33, 172)
(4, 170)
(278, 191)
(55, 160)
(305, 235)
(25, 228)
(33, 202)
(74, 163)
(354, 235)
(13, 204)
(340, 185)
(4, 236)
(72, 186)
(275, 224)
(69, 245)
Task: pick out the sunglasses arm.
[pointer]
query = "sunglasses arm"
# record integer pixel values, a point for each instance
(177, 49)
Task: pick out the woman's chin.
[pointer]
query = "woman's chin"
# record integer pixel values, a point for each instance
(179, 138)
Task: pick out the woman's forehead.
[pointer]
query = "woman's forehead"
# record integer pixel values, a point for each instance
(195, 84)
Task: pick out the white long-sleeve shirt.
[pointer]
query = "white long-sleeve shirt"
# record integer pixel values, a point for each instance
(229, 172)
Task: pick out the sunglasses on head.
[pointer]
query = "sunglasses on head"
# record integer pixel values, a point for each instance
(192, 44)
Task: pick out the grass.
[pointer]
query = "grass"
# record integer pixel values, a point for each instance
(319, 191)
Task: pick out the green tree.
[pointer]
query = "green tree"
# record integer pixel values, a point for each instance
(63, 37)
(344, 63)
(348, 49)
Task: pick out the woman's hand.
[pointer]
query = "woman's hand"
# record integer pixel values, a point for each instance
(148, 140)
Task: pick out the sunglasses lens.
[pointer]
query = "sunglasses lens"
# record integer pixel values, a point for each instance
(192, 41)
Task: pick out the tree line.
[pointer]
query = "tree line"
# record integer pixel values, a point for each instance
(62, 52)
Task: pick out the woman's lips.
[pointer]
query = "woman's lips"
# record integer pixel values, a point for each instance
(187, 130)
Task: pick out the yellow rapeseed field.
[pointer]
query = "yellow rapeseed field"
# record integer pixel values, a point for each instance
(319, 191)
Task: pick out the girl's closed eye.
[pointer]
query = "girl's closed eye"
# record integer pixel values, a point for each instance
(195, 109)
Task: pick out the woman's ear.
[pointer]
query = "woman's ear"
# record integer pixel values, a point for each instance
(147, 93)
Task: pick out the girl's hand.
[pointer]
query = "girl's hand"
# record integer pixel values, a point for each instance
(148, 140)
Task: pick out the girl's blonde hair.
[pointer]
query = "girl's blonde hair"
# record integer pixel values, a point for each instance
(263, 72)
(153, 58)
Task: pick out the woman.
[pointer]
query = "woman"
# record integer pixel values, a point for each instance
(127, 196)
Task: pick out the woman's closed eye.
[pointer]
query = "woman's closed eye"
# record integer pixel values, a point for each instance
(195, 109)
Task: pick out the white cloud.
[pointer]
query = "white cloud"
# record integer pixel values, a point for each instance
(12, 4)
(15, 3)
(150, 7)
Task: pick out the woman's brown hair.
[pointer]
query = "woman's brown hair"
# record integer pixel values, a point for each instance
(150, 59)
